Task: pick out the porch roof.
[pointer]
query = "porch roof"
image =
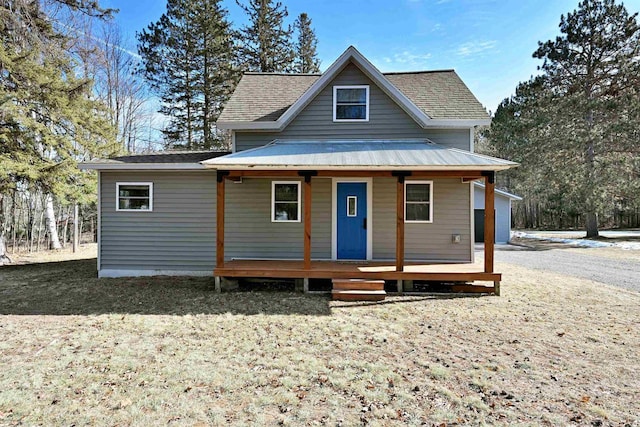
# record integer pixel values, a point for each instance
(357, 155)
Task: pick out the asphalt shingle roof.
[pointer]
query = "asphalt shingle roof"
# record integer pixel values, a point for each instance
(165, 157)
(263, 97)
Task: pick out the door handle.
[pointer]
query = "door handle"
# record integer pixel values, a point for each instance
(364, 223)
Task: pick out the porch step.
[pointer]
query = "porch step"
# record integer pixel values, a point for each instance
(358, 290)
(350, 295)
(358, 285)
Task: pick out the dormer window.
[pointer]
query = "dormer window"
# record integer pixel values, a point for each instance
(351, 103)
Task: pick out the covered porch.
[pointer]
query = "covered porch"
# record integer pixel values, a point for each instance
(413, 161)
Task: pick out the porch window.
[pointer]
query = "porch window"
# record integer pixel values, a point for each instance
(418, 201)
(285, 201)
(134, 196)
(351, 103)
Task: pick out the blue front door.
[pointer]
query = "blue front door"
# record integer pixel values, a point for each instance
(352, 220)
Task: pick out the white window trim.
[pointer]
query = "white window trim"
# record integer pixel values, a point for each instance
(149, 184)
(355, 206)
(273, 200)
(430, 202)
(335, 98)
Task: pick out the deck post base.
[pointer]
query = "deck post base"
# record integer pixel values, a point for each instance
(305, 285)
(218, 283)
(400, 285)
(299, 285)
(496, 288)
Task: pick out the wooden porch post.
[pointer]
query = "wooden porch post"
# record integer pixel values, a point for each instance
(307, 222)
(400, 224)
(489, 220)
(220, 218)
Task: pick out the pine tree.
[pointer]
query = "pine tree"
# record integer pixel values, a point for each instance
(574, 129)
(265, 44)
(48, 117)
(188, 60)
(306, 57)
(594, 82)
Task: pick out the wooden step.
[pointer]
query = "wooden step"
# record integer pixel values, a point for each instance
(358, 284)
(358, 295)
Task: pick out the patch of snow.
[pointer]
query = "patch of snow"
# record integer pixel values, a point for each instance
(584, 243)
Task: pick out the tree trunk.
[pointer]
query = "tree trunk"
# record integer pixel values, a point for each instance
(51, 223)
(3, 250)
(591, 224)
(14, 223)
(75, 228)
(4, 258)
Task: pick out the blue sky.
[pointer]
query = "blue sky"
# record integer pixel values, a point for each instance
(488, 42)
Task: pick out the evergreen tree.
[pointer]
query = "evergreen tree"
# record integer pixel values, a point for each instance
(48, 117)
(576, 134)
(306, 58)
(593, 73)
(265, 44)
(188, 60)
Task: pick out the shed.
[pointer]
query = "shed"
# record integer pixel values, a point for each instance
(503, 213)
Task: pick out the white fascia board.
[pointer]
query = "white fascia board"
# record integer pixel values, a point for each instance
(140, 166)
(432, 123)
(245, 167)
(458, 123)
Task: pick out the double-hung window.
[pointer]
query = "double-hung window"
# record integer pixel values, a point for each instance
(418, 201)
(285, 201)
(134, 196)
(351, 103)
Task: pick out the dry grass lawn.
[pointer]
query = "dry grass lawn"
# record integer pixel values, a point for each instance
(75, 350)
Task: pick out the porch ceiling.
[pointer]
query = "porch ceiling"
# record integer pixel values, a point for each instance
(357, 155)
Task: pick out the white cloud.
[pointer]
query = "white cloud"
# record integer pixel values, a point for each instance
(476, 48)
(405, 60)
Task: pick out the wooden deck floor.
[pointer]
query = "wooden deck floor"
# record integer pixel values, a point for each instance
(356, 270)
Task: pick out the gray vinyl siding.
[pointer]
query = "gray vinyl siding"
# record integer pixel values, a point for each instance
(386, 120)
(431, 242)
(503, 213)
(178, 235)
(249, 232)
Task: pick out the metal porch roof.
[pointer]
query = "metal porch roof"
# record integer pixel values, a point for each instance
(357, 155)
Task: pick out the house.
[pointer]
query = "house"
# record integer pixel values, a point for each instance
(502, 214)
(348, 174)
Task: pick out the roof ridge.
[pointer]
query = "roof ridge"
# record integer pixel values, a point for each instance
(264, 73)
(444, 70)
(387, 73)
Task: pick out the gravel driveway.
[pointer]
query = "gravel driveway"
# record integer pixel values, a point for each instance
(622, 273)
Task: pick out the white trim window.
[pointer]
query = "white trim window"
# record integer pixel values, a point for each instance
(418, 201)
(351, 103)
(134, 196)
(285, 201)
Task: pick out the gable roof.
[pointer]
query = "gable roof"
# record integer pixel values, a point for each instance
(269, 101)
(480, 186)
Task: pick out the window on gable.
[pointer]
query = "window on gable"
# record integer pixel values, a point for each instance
(134, 196)
(285, 201)
(418, 205)
(350, 103)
